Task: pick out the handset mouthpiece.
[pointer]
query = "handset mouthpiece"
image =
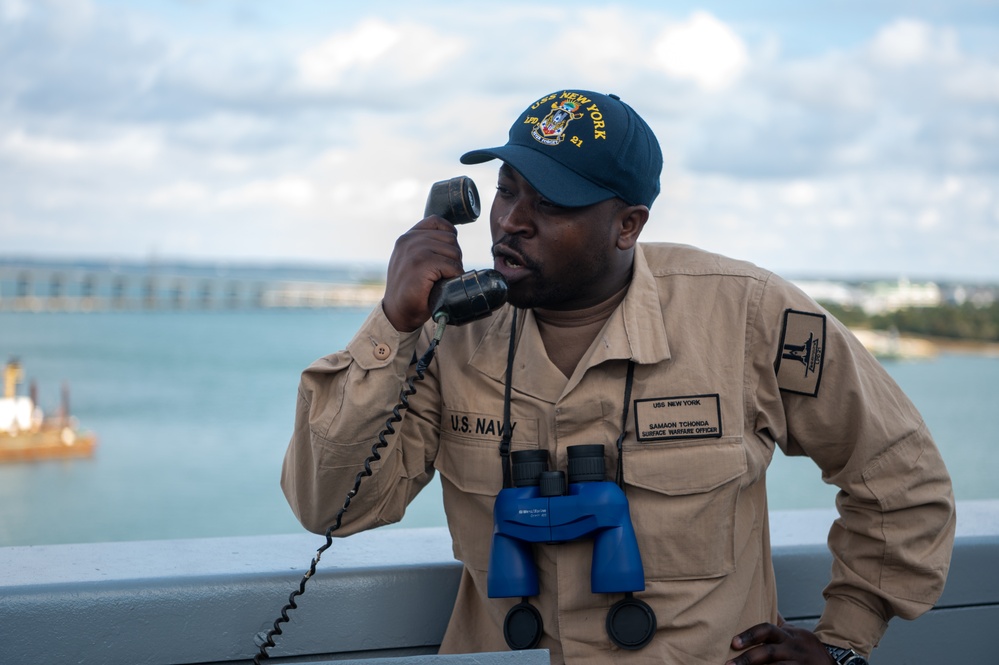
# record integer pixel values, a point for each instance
(468, 298)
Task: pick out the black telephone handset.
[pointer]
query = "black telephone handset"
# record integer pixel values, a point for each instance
(475, 294)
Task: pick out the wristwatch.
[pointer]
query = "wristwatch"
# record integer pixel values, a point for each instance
(845, 656)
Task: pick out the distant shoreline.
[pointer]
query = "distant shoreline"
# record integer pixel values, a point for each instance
(884, 344)
(969, 346)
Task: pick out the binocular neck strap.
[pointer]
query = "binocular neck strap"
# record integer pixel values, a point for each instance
(507, 435)
(507, 427)
(628, 381)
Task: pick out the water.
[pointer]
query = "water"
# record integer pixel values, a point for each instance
(193, 411)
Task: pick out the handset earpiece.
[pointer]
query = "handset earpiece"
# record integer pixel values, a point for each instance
(456, 200)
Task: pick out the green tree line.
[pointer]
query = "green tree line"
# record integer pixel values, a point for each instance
(967, 321)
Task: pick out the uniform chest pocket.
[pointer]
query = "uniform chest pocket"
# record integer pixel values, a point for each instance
(471, 476)
(683, 506)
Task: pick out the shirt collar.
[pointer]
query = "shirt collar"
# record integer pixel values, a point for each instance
(635, 330)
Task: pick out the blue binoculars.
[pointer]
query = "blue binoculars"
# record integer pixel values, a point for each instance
(554, 507)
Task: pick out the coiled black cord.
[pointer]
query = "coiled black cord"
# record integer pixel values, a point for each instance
(404, 395)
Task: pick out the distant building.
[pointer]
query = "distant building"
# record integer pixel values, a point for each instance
(838, 293)
(875, 297)
(888, 297)
(978, 296)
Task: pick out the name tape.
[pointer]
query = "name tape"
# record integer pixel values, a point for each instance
(683, 417)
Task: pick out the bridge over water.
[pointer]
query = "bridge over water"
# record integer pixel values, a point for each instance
(40, 287)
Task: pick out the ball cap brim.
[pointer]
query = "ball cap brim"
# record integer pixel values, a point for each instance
(549, 177)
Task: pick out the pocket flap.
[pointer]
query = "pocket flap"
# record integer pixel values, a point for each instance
(471, 468)
(690, 468)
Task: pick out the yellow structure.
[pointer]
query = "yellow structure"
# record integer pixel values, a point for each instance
(26, 434)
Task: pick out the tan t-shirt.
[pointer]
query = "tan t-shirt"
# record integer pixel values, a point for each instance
(567, 334)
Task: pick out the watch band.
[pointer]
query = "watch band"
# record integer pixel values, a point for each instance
(844, 656)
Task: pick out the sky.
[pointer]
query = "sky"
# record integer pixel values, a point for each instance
(820, 139)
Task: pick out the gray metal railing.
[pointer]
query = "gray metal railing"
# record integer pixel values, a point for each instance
(385, 594)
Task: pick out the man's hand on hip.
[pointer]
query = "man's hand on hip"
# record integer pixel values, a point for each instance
(783, 643)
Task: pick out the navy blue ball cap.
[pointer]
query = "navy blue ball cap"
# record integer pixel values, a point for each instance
(577, 148)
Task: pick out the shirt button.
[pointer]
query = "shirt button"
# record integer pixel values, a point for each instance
(382, 351)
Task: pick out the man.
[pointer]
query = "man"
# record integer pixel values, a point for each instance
(713, 362)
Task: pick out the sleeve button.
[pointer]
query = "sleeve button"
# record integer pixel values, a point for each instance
(382, 351)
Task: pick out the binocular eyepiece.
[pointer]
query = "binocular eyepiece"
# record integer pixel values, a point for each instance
(530, 469)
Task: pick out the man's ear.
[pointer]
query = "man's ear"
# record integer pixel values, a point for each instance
(632, 221)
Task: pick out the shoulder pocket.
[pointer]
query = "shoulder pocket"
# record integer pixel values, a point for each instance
(683, 505)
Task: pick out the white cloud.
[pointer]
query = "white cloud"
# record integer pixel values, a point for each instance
(325, 64)
(179, 195)
(283, 142)
(906, 99)
(833, 82)
(909, 42)
(910, 223)
(952, 186)
(20, 145)
(703, 50)
(290, 190)
(12, 11)
(974, 81)
(129, 149)
(126, 149)
(798, 193)
(598, 45)
(376, 51)
(928, 219)
(229, 163)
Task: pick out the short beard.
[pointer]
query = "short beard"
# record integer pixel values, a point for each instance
(548, 294)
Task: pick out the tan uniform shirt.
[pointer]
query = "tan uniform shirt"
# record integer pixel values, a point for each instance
(730, 361)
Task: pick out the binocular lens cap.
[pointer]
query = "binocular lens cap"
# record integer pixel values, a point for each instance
(631, 623)
(522, 627)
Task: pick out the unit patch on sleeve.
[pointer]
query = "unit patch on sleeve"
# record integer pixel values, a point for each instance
(801, 353)
(672, 418)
